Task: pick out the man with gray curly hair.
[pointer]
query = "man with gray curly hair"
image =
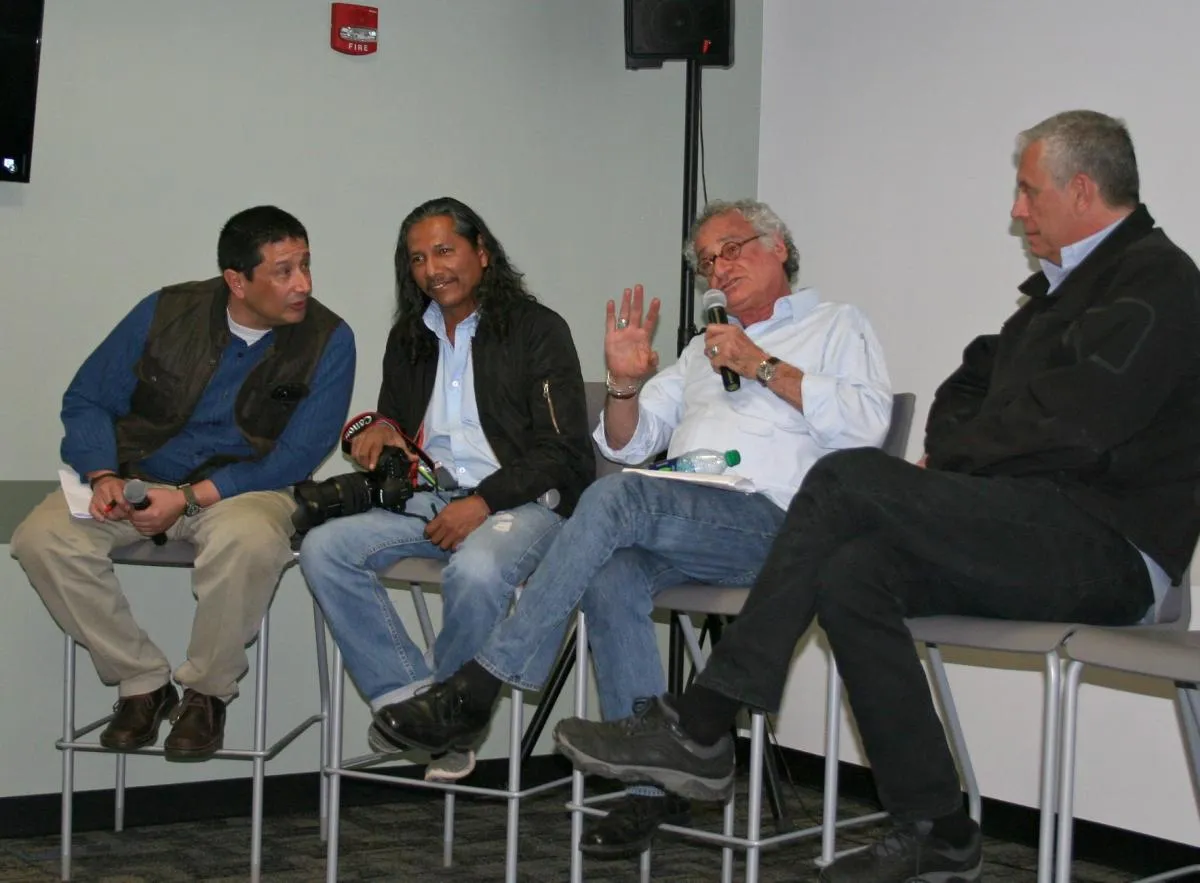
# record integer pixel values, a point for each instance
(813, 380)
(1059, 485)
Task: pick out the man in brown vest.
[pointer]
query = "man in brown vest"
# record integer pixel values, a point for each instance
(218, 395)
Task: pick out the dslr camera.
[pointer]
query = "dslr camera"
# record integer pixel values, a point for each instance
(387, 486)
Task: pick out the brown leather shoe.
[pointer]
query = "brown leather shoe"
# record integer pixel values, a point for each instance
(137, 718)
(198, 728)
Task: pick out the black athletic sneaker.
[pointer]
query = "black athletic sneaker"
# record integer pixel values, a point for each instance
(909, 852)
(650, 746)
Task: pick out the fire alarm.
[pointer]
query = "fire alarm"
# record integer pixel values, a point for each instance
(355, 29)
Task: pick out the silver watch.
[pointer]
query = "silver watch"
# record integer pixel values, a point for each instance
(767, 369)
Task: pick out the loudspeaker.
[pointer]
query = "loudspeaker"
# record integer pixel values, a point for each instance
(678, 30)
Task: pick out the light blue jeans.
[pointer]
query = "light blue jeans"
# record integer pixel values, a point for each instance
(341, 558)
(629, 538)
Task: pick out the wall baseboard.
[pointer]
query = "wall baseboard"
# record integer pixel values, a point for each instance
(38, 815)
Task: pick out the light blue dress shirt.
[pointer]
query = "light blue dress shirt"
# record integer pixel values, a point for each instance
(846, 392)
(1072, 256)
(453, 435)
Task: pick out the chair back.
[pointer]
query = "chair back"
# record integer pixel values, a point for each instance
(903, 406)
(595, 393)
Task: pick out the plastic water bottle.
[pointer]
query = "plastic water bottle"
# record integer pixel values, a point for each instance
(703, 460)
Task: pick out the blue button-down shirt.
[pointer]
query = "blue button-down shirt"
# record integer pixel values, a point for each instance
(453, 435)
(1072, 256)
(103, 386)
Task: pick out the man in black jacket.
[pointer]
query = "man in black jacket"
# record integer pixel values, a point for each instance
(487, 382)
(1060, 484)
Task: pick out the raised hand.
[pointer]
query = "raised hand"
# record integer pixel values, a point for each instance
(628, 353)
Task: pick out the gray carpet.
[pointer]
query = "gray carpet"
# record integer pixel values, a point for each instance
(403, 841)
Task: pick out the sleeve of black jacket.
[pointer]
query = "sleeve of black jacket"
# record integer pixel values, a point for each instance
(1116, 366)
(960, 397)
(557, 453)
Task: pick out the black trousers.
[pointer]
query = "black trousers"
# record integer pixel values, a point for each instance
(869, 540)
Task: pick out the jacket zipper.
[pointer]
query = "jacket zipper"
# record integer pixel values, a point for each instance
(550, 403)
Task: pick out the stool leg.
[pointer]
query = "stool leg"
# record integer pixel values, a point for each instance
(337, 683)
(581, 685)
(68, 755)
(448, 830)
(727, 830)
(514, 785)
(323, 690)
(260, 743)
(833, 726)
(754, 809)
(119, 795)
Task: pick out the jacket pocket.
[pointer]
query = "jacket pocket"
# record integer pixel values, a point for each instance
(550, 404)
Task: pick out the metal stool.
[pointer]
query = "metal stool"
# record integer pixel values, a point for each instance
(1150, 651)
(181, 554)
(416, 572)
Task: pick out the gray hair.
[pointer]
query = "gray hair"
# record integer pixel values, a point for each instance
(758, 215)
(1090, 143)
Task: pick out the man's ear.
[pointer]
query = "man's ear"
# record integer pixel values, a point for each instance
(236, 282)
(1084, 192)
(779, 248)
(481, 250)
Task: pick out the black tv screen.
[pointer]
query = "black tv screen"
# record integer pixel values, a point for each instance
(20, 49)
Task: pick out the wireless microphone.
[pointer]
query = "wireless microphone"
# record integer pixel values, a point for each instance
(135, 496)
(714, 314)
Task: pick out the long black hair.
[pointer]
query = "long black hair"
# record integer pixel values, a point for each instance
(501, 286)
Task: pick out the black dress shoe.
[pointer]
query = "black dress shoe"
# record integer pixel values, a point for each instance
(198, 728)
(446, 717)
(631, 824)
(137, 718)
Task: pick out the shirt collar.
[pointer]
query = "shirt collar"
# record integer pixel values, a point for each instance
(1073, 255)
(792, 306)
(436, 322)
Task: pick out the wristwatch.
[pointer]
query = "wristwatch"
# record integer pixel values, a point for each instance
(190, 505)
(766, 370)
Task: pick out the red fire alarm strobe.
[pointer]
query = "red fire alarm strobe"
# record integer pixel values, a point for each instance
(355, 29)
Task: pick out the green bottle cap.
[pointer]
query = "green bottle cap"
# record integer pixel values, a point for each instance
(732, 458)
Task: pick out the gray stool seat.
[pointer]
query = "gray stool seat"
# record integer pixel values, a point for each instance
(1153, 652)
(176, 553)
(1009, 636)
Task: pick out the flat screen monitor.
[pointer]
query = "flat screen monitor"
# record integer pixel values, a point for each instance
(20, 50)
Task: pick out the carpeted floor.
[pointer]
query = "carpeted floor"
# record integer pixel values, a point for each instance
(402, 841)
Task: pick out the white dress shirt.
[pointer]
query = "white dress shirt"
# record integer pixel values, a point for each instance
(846, 393)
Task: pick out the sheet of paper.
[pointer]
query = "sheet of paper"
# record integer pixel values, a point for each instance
(728, 480)
(78, 494)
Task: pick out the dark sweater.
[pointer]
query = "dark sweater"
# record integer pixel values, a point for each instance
(1096, 388)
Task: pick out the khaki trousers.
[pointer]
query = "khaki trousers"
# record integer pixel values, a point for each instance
(242, 546)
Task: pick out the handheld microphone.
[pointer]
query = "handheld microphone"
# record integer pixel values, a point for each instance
(714, 314)
(135, 496)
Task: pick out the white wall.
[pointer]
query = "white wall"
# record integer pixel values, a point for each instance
(156, 121)
(886, 141)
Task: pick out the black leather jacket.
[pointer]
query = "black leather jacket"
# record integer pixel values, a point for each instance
(529, 391)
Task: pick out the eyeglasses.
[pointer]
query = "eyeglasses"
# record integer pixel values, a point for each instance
(730, 251)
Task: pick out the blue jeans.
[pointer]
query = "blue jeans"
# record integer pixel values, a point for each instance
(630, 537)
(341, 558)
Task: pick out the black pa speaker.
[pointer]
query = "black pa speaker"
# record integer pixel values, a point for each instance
(678, 30)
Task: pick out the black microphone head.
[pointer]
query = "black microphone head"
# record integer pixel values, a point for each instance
(135, 492)
(714, 297)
